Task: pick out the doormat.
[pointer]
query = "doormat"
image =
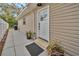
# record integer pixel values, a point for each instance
(34, 49)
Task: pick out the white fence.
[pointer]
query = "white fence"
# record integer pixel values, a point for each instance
(3, 27)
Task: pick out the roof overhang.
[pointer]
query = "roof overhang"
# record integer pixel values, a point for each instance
(26, 10)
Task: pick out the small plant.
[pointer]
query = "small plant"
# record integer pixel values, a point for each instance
(55, 50)
(29, 35)
(33, 35)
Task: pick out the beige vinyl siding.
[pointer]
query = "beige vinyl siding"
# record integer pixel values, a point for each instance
(29, 22)
(29, 25)
(64, 26)
(20, 25)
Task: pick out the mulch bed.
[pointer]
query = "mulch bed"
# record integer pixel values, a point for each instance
(3, 41)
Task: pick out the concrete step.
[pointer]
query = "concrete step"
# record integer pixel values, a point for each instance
(41, 43)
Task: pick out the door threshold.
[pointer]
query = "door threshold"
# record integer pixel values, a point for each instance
(42, 43)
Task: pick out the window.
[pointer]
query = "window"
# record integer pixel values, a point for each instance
(43, 15)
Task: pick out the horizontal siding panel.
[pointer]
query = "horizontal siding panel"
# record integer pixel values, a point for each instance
(71, 48)
(64, 7)
(67, 20)
(64, 26)
(70, 22)
(67, 28)
(60, 6)
(68, 32)
(68, 50)
(67, 12)
(67, 38)
(68, 35)
(68, 9)
(69, 45)
(66, 17)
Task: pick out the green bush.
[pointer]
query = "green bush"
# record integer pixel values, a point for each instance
(9, 19)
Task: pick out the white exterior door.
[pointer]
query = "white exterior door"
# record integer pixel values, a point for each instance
(43, 23)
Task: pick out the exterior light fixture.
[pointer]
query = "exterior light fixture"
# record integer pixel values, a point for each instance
(39, 4)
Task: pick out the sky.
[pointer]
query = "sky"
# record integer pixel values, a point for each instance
(18, 5)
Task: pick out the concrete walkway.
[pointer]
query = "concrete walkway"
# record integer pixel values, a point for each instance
(15, 44)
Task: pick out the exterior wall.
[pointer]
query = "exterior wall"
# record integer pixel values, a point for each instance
(29, 25)
(64, 26)
(30, 22)
(21, 26)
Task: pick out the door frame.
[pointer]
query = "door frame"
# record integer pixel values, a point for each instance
(45, 7)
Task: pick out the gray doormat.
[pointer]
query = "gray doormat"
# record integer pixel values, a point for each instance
(34, 49)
